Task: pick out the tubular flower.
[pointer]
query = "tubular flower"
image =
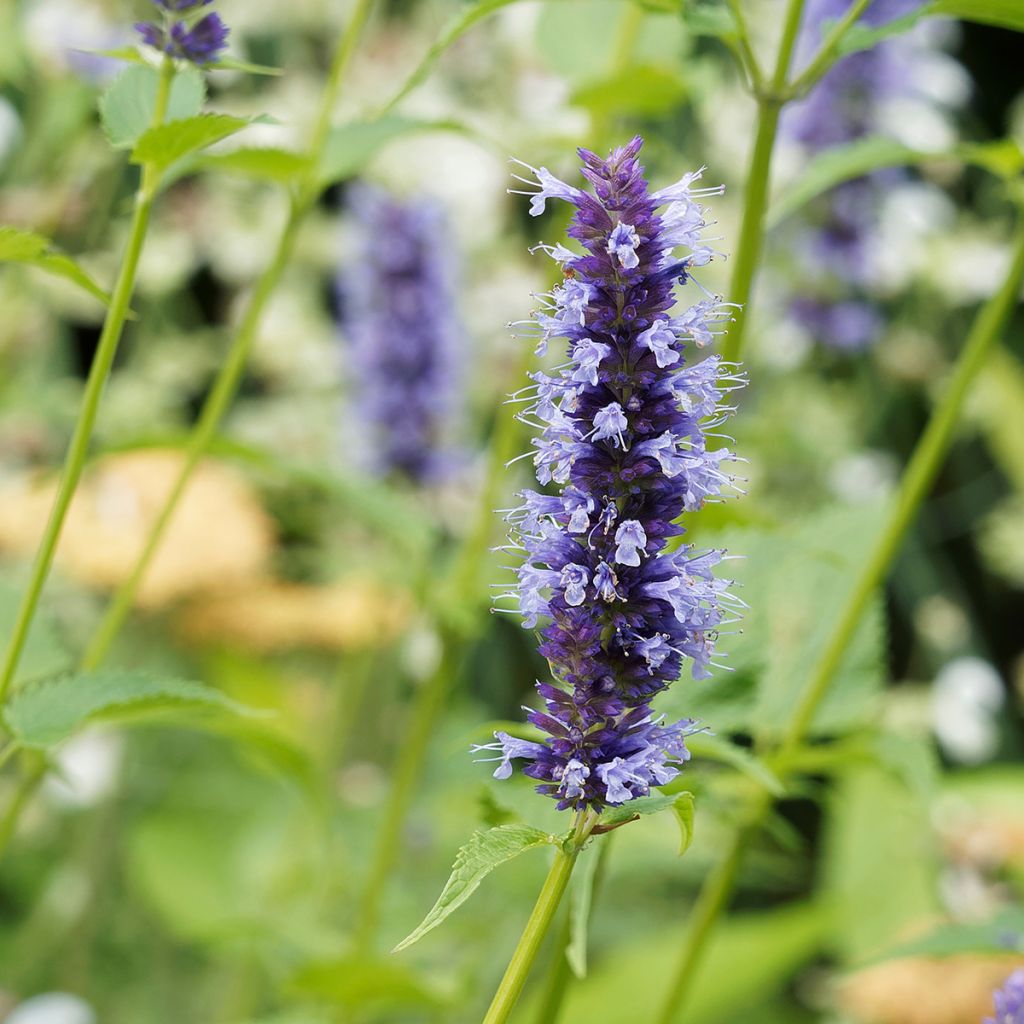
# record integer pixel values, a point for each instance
(848, 104)
(1009, 1001)
(199, 41)
(399, 313)
(622, 442)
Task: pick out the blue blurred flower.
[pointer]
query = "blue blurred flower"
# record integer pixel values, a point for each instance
(622, 437)
(200, 42)
(399, 313)
(1009, 1001)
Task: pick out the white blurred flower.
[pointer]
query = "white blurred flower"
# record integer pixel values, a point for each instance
(966, 695)
(87, 768)
(53, 1008)
(863, 477)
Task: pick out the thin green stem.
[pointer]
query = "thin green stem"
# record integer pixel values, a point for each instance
(9, 750)
(35, 768)
(711, 902)
(748, 59)
(229, 378)
(920, 473)
(917, 479)
(755, 197)
(823, 59)
(537, 926)
(106, 350)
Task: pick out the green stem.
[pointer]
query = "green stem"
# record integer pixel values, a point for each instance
(711, 901)
(747, 58)
(34, 771)
(559, 975)
(920, 473)
(755, 201)
(459, 591)
(229, 378)
(106, 350)
(822, 61)
(917, 479)
(537, 926)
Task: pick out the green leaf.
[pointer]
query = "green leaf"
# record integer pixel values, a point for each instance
(365, 983)
(1002, 13)
(453, 30)
(27, 247)
(166, 143)
(42, 714)
(234, 64)
(864, 37)
(1003, 158)
(705, 746)
(127, 107)
(639, 91)
(681, 805)
(707, 19)
(263, 163)
(581, 896)
(1004, 933)
(351, 146)
(474, 862)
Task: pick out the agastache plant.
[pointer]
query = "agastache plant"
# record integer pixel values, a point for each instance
(399, 312)
(1009, 1001)
(623, 443)
(182, 33)
(846, 106)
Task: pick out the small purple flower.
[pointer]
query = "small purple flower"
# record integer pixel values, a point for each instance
(1009, 1001)
(399, 315)
(200, 42)
(619, 609)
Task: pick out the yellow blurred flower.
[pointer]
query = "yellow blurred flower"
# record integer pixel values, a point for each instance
(220, 534)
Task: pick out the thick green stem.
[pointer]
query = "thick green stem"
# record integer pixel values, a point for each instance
(755, 197)
(229, 378)
(920, 473)
(106, 350)
(537, 926)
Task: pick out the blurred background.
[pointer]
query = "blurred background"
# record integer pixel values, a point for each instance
(332, 554)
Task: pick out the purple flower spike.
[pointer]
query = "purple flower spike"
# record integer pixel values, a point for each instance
(199, 43)
(622, 435)
(399, 315)
(1009, 1001)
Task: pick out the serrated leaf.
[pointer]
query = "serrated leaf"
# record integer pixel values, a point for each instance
(474, 862)
(1003, 158)
(43, 714)
(27, 247)
(681, 805)
(166, 143)
(351, 146)
(581, 896)
(263, 163)
(127, 107)
(1003, 933)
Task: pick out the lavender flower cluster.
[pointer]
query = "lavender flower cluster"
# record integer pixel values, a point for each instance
(179, 34)
(399, 313)
(623, 442)
(1009, 1001)
(843, 107)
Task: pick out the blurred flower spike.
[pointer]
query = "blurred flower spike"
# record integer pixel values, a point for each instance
(400, 317)
(622, 441)
(1009, 1001)
(179, 34)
